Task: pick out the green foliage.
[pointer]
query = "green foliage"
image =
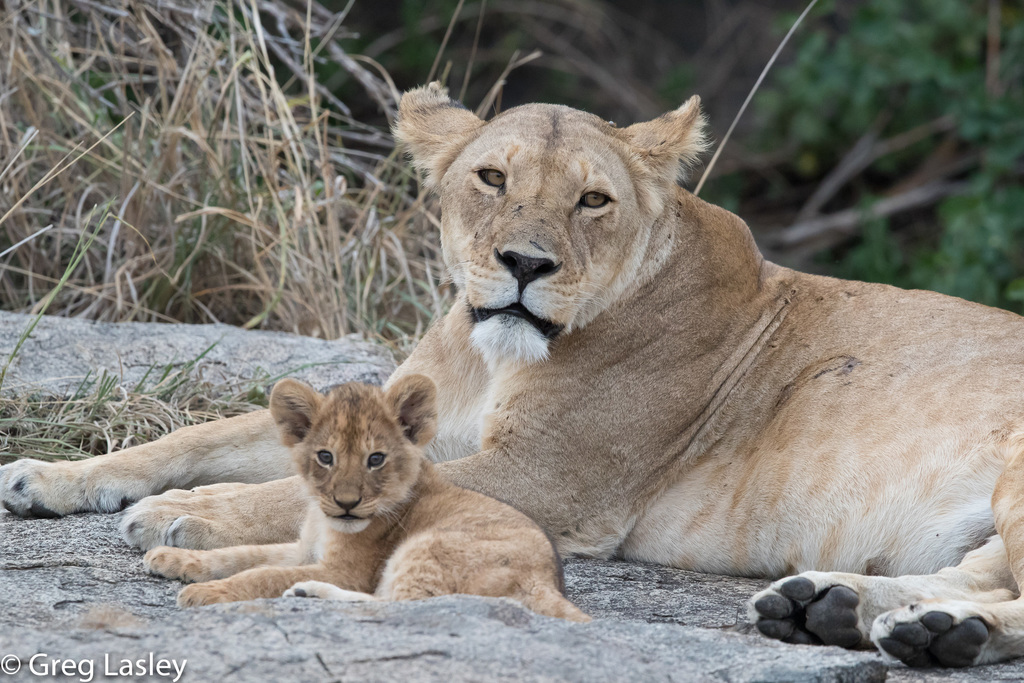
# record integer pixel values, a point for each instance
(891, 67)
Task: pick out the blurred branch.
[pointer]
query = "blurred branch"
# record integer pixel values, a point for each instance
(865, 152)
(992, 85)
(845, 223)
(514, 63)
(614, 85)
(750, 96)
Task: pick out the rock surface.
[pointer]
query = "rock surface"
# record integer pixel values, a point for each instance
(61, 352)
(71, 588)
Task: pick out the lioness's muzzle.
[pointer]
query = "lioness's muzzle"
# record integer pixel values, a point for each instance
(545, 327)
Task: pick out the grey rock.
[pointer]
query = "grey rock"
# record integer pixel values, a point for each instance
(61, 352)
(72, 590)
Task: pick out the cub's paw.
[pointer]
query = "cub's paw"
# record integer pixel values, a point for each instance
(324, 591)
(175, 563)
(933, 633)
(809, 609)
(180, 519)
(199, 594)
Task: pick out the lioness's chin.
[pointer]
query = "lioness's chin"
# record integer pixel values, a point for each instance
(348, 526)
(503, 338)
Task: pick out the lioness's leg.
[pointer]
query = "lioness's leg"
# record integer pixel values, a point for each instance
(961, 632)
(206, 565)
(837, 608)
(239, 449)
(219, 515)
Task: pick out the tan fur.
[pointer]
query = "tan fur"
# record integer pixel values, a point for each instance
(700, 408)
(413, 535)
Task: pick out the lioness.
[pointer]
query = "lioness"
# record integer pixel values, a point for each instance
(623, 366)
(382, 524)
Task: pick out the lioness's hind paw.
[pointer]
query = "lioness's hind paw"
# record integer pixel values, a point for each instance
(928, 634)
(796, 610)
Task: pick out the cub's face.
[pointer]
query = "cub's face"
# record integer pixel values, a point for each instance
(547, 212)
(358, 449)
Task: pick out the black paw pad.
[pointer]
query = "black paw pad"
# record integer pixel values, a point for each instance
(801, 637)
(774, 607)
(960, 645)
(937, 622)
(935, 641)
(299, 593)
(833, 617)
(40, 510)
(799, 589)
(909, 643)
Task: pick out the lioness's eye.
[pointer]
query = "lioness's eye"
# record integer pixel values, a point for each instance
(594, 200)
(492, 177)
(326, 458)
(375, 460)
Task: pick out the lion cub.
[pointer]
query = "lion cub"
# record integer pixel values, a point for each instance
(382, 523)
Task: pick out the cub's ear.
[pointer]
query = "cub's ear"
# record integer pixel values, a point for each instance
(435, 128)
(413, 399)
(293, 405)
(670, 144)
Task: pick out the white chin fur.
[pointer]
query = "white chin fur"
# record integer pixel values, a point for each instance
(506, 337)
(348, 526)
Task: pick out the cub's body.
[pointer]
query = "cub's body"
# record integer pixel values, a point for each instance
(401, 534)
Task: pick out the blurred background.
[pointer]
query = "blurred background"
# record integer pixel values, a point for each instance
(230, 161)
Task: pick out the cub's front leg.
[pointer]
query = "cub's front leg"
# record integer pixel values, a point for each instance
(194, 566)
(244, 449)
(262, 582)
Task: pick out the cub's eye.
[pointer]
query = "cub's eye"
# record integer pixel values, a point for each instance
(492, 177)
(594, 200)
(326, 458)
(375, 460)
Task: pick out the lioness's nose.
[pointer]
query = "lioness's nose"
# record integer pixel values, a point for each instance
(526, 269)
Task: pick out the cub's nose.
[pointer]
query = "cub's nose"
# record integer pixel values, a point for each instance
(348, 506)
(526, 269)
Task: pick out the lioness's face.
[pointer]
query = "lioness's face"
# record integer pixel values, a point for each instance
(546, 211)
(358, 449)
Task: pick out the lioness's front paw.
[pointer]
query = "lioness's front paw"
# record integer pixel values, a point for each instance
(31, 488)
(175, 563)
(933, 633)
(199, 594)
(178, 518)
(810, 609)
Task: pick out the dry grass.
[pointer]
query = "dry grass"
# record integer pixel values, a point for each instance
(100, 415)
(235, 195)
(226, 192)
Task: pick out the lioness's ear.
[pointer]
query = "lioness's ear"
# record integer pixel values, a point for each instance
(292, 405)
(413, 399)
(670, 144)
(435, 128)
